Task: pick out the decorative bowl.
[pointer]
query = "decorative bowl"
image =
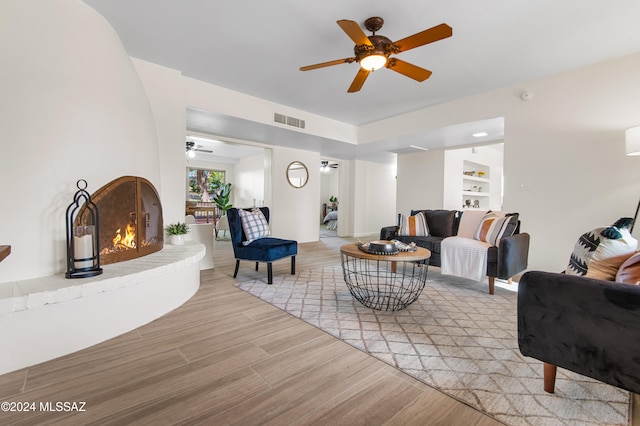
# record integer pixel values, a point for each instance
(382, 247)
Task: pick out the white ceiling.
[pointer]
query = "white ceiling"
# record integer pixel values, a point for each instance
(257, 47)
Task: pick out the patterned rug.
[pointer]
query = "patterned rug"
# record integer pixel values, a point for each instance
(456, 338)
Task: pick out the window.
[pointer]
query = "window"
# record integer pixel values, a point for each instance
(204, 184)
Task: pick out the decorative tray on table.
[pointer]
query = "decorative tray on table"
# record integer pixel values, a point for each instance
(385, 247)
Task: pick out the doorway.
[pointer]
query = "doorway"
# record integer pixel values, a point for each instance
(329, 198)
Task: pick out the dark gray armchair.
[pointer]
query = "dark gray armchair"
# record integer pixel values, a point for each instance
(585, 325)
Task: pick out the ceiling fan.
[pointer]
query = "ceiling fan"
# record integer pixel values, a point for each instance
(192, 148)
(326, 166)
(373, 52)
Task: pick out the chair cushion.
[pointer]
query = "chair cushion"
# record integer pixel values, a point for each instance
(254, 225)
(268, 249)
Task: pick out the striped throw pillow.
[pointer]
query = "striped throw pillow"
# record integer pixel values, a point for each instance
(254, 225)
(414, 226)
(493, 227)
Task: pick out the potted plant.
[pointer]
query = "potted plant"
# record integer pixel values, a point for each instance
(333, 200)
(221, 199)
(177, 231)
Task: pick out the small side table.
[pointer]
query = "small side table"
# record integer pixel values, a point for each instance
(384, 282)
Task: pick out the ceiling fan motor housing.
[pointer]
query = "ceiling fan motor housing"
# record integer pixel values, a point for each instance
(381, 46)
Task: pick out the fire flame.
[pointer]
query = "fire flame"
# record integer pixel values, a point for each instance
(129, 240)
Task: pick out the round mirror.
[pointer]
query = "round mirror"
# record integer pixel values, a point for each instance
(297, 174)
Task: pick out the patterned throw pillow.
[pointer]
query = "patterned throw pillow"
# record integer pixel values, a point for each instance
(469, 222)
(414, 226)
(597, 256)
(493, 227)
(254, 225)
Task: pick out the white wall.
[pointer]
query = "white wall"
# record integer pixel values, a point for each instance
(72, 107)
(420, 182)
(373, 198)
(163, 86)
(565, 167)
(249, 181)
(346, 189)
(199, 94)
(294, 211)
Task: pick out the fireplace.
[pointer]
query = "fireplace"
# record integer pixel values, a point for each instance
(130, 222)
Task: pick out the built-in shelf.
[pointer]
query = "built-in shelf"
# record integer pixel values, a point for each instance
(475, 189)
(475, 194)
(476, 179)
(4, 252)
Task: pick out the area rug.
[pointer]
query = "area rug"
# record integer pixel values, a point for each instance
(456, 338)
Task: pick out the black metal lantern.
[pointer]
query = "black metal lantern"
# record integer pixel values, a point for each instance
(83, 256)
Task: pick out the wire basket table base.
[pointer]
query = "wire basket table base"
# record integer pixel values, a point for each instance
(384, 282)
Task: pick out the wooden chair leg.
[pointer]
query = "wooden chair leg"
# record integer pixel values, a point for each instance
(293, 265)
(549, 377)
(492, 284)
(269, 273)
(235, 273)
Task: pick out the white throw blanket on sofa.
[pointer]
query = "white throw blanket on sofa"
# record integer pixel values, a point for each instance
(464, 257)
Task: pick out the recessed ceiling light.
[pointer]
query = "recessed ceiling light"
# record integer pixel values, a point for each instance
(480, 134)
(418, 147)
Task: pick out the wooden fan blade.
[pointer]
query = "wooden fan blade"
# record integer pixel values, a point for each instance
(354, 31)
(357, 83)
(425, 37)
(407, 69)
(327, 64)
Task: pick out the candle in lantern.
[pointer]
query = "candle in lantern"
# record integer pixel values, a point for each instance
(83, 248)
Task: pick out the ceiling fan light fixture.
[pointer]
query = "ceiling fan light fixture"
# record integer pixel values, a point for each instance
(373, 62)
(191, 146)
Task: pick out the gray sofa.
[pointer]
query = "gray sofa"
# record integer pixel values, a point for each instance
(584, 325)
(505, 261)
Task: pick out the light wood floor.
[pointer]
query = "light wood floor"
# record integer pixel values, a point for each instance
(225, 357)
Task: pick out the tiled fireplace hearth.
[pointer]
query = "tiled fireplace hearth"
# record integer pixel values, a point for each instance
(48, 317)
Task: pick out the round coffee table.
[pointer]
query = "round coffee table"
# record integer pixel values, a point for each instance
(384, 282)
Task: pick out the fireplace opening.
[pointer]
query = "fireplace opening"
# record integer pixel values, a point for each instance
(130, 219)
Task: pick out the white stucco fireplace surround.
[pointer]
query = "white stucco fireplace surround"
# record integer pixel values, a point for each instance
(94, 122)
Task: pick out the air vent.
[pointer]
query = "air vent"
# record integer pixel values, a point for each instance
(289, 121)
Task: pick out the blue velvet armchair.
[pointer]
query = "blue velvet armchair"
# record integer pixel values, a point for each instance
(267, 249)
